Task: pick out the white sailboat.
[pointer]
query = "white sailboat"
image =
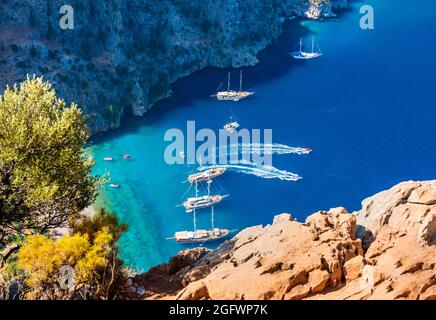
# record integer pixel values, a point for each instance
(232, 95)
(201, 202)
(202, 235)
(303, 55)
(206, 175)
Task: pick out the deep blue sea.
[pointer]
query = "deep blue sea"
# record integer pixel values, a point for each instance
(367, 108)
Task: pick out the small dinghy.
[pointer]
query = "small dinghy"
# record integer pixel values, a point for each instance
(231, 126)
(108, 159)
(114, 185)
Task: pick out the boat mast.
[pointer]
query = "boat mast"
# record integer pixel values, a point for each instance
(240, 81)
(212, 218)
(228, 82)
(301, 44)
(318, 48)
(208, 187)
(313, 43)
(208, 193)
(194, 213)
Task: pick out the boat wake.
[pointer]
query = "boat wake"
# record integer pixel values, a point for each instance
(264, 148)
(263, 171)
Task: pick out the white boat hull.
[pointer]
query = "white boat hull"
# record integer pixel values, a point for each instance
(206, 175)
(305, 55)
(201, 202)
(200, 236)
(233, 95)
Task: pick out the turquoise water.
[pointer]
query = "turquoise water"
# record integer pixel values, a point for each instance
(367, 108)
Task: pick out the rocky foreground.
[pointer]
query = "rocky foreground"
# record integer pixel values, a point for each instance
(387, 250)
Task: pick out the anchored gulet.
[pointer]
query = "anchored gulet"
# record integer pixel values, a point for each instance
(232, 95)
(302, 55)
(192, 204)
(206, 175)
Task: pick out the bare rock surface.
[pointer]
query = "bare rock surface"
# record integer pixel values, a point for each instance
(322, 258)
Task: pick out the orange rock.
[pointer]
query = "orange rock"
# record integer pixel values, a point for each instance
(423, 195)
(318, 280)
(353, 268)
(196, 291)
(429, 293)
(320, 259)
(297, 292)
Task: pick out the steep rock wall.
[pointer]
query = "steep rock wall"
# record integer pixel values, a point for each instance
(123, 55)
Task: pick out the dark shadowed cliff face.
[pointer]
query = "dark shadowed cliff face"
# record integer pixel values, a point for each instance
(123, 55)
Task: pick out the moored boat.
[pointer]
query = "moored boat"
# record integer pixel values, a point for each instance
(200, 236)
(206, 175)
(303, 55)
(232, 95)
(201, 202)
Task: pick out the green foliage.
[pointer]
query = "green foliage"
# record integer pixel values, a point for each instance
(206, 25)
(121, 69)
(33, 52)
(91, 251)
(45, 177)
(10, 270)
(160, 87)
(110, 113)
(101, 219)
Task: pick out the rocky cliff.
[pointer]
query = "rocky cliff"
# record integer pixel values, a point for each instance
(123, 55)
(387, 250)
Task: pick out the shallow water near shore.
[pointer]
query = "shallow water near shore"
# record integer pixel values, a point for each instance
(367, 108)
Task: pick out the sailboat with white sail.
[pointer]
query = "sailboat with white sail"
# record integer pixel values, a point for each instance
(303, 55)
(232, 95)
